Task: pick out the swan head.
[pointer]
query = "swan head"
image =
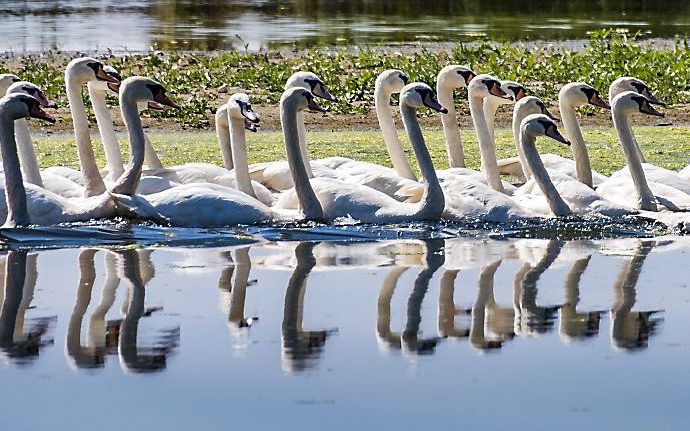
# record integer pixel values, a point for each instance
(108, 86)
(418, 95)
(32, 90)
(7, 79)
(529, 105)
(142, 90)
(86, 69)
(629, 102)
(391, 80)
(239, 107)
(627, 83)
(311, 82)
(515, 90)
(299, 99)
(19, 105)
(455, 76)
(485, 85)
(580, 94)
(540, 125)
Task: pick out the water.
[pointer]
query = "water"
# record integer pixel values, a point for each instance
(136, 25)
(395, 334)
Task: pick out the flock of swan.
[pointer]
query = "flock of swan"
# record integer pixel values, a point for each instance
(334, 188)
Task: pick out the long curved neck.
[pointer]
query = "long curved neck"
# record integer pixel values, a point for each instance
(223, 135)
(384, 114)
(578, 145)
(541, 176)
(93, 181)
(129, 181)
(304, 151)
(433, 201)
(518, 116)
(490, 108)
(239, 156)
(645, 197)
(27, 153)
(113, 157)
(15, 193)
(486, 145)
(310, 205)
(451, 130)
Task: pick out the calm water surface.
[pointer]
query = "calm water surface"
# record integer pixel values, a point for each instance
(217, 24)
(483, 333)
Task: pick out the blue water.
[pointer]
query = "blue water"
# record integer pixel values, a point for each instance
(142, 327)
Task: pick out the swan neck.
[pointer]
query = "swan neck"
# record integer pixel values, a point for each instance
(451, 130)
(93, 181)
(239, 156)
(310, 205)
(433, 201)
(129, 181)
(384, 114)
(486, 144)
(645, 197)
(577, 141)
(27, 153)
(518, 116)
(541, 176)
(113, 157)
(15, 193)
(490, 108)
(223, 135)
(302, 133)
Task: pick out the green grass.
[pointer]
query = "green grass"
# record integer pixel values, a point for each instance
(202, 81)
(663, 146)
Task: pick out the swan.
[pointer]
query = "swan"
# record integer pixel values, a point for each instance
(80, 71)
(650, 195)
(29, 204)
(570, 97)
(558, 194)
(7, 79)
(491, 104)
(448, 79)
(337, 199)
(276, 175)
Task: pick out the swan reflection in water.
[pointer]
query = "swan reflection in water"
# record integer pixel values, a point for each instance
(483, 320)
(119, 336)
(19, 342)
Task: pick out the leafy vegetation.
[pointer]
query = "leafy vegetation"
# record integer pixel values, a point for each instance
(203, 80)
(663, 146)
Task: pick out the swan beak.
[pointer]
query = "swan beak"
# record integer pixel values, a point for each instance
(320, 91)
(553, 133)
(550, 115)
(497, 91)
(37, 112)
(163, 99)
(313, 106)
(102, 75)
(155, 106)
(596, 100)
(652, 98)
(251, 126)
(43, 100)
(114, 87)
(648, 109)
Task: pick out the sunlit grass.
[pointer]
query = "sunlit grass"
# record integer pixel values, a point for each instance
(663, 146)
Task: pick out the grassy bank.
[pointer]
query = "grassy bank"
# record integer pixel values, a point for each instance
(203, 81)
(663, 146)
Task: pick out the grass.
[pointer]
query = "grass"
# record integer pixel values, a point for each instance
(663, 146)
(202, 81)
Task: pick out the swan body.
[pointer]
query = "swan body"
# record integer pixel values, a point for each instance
(30, 204)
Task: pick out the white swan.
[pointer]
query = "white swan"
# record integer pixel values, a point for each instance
(201, 205)
(491, 104)
(557, 194)
(569, 98)
(650, 195)
(80, 71)
(29, 204)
